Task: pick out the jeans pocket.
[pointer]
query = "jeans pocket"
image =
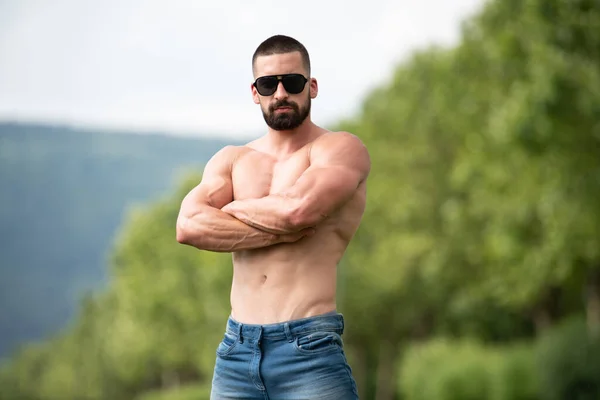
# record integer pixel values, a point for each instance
(227, 344)
(318, 343)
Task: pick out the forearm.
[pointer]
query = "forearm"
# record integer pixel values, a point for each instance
(214, 230)
(273, 213)
(318, 193)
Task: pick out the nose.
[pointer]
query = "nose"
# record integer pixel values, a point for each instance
(280, 93)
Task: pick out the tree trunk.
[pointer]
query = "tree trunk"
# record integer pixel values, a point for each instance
(359, 370)
(386, 371)
(169, 380)
(547, 310)
(541, 320)
(423, 328)
(593, 303)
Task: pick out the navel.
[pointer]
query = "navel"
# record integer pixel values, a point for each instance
(263, 279)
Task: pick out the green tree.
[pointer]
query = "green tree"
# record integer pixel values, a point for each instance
(156, 326)
(485, 185)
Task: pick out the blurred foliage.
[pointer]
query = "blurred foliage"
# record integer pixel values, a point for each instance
(190, 392)
(480, 239)
(569, 362)
(157, 325)
(466, 369)
(63, 192)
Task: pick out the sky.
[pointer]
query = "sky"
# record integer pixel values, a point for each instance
(184, 66)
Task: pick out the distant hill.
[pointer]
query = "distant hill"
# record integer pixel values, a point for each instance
(63, 194)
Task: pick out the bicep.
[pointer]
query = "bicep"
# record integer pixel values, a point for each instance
(339, 165)
(320, 192)
(214, 190)
(337, 168)
(331, 185)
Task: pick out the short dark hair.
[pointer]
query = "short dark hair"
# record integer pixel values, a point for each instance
(280, 44)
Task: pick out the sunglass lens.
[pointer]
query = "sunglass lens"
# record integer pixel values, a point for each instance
(293, 84)
(266, 86)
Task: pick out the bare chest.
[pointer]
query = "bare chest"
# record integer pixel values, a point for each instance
(256, 174)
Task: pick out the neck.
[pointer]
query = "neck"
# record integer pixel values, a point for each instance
(284, 143)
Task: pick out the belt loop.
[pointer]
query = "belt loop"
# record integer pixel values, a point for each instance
(288, 332)
(240, 333)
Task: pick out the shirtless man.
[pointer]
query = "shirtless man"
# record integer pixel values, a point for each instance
(286, 206)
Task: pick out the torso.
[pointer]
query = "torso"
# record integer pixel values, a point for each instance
(290, 280)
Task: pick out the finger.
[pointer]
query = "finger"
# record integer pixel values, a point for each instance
(309, 231)
(292, 237)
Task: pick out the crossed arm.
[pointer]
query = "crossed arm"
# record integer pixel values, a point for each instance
(203, 225)
(210, 220)
(339, 164)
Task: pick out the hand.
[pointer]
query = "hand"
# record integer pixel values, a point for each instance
(294, 237)
(229, 208)
(233, 209)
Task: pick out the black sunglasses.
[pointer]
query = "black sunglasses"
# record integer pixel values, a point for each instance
(293, 83)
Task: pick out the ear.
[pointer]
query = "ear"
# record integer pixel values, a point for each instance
(254, 94)
(314, 88)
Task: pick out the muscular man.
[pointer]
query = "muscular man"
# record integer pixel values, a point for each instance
(286, 206)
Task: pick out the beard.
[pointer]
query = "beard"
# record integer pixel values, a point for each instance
(286, 120)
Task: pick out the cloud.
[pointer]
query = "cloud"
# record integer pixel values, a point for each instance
(185, 64)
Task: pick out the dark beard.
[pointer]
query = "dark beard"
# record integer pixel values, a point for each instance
(288, 120)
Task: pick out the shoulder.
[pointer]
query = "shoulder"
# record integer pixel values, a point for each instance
(224, 159)
(230, 153)
(340, 144)
(340, 137)
(341, 149)
(339, 141)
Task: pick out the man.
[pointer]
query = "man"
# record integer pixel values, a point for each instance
(286, 206)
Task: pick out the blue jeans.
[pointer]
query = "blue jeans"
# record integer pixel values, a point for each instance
(300, 359)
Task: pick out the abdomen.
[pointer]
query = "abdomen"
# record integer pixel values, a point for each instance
(286, 281)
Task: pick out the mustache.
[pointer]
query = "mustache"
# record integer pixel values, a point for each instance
(283, 103)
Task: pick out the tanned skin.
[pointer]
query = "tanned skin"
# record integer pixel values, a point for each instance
(285, 205)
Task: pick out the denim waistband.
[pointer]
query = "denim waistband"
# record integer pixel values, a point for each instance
(331, 321)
